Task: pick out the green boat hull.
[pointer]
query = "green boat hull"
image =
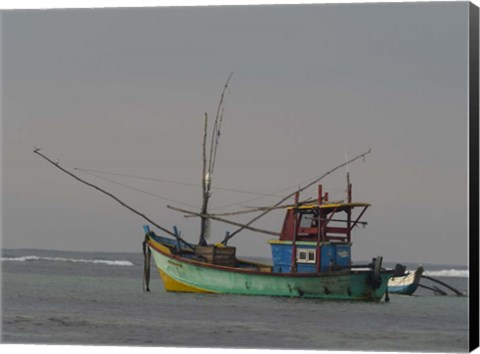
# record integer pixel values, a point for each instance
(180, 274)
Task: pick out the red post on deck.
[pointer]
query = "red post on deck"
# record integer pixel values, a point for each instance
(320, 195)
(294, 238)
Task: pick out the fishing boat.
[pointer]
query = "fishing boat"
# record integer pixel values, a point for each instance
(405, 284)
(311, 259)
(311, 256)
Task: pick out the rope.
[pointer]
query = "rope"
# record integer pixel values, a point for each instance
(134, 188)
(96, 172)
(147, 254)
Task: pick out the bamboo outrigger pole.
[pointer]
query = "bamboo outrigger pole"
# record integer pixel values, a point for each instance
(444, 284)
(57, 165)
(214, 217)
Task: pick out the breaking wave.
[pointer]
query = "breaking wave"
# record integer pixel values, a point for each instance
(71, 260)
(458, 273)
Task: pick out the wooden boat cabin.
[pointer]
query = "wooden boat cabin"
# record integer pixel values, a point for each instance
(316, 236)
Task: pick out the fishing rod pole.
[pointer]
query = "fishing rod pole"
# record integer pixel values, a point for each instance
(57, 165)
(228, 237)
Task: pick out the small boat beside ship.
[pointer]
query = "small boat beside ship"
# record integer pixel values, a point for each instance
(405, 284)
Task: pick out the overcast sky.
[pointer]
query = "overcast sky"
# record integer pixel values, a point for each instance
(124, 91)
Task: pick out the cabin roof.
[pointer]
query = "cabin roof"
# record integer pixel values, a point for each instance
(331, 205)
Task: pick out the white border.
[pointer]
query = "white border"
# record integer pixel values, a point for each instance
(61, 4)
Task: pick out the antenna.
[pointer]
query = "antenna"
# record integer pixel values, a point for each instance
(348, 176)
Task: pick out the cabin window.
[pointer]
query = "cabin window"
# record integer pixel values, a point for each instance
(307, 220)
(305, 255)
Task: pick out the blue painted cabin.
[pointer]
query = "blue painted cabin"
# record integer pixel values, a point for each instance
(332, 256)
(314, 238)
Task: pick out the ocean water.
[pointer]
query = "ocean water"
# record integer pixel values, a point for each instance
(54, 297)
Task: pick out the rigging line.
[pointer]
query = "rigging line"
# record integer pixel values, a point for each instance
(134, 176)
(253, 210)
(243, 201)
(174, 182)
(136, 189)
(274, 194)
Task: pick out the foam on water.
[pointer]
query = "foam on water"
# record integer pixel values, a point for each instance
(72, 260)
(456, 273)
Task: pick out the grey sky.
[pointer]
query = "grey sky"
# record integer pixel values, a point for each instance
(124, 90)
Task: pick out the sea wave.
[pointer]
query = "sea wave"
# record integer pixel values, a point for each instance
(457, 273)
(71, 260)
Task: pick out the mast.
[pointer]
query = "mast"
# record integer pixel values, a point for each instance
(207, 170)
(205, 187)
